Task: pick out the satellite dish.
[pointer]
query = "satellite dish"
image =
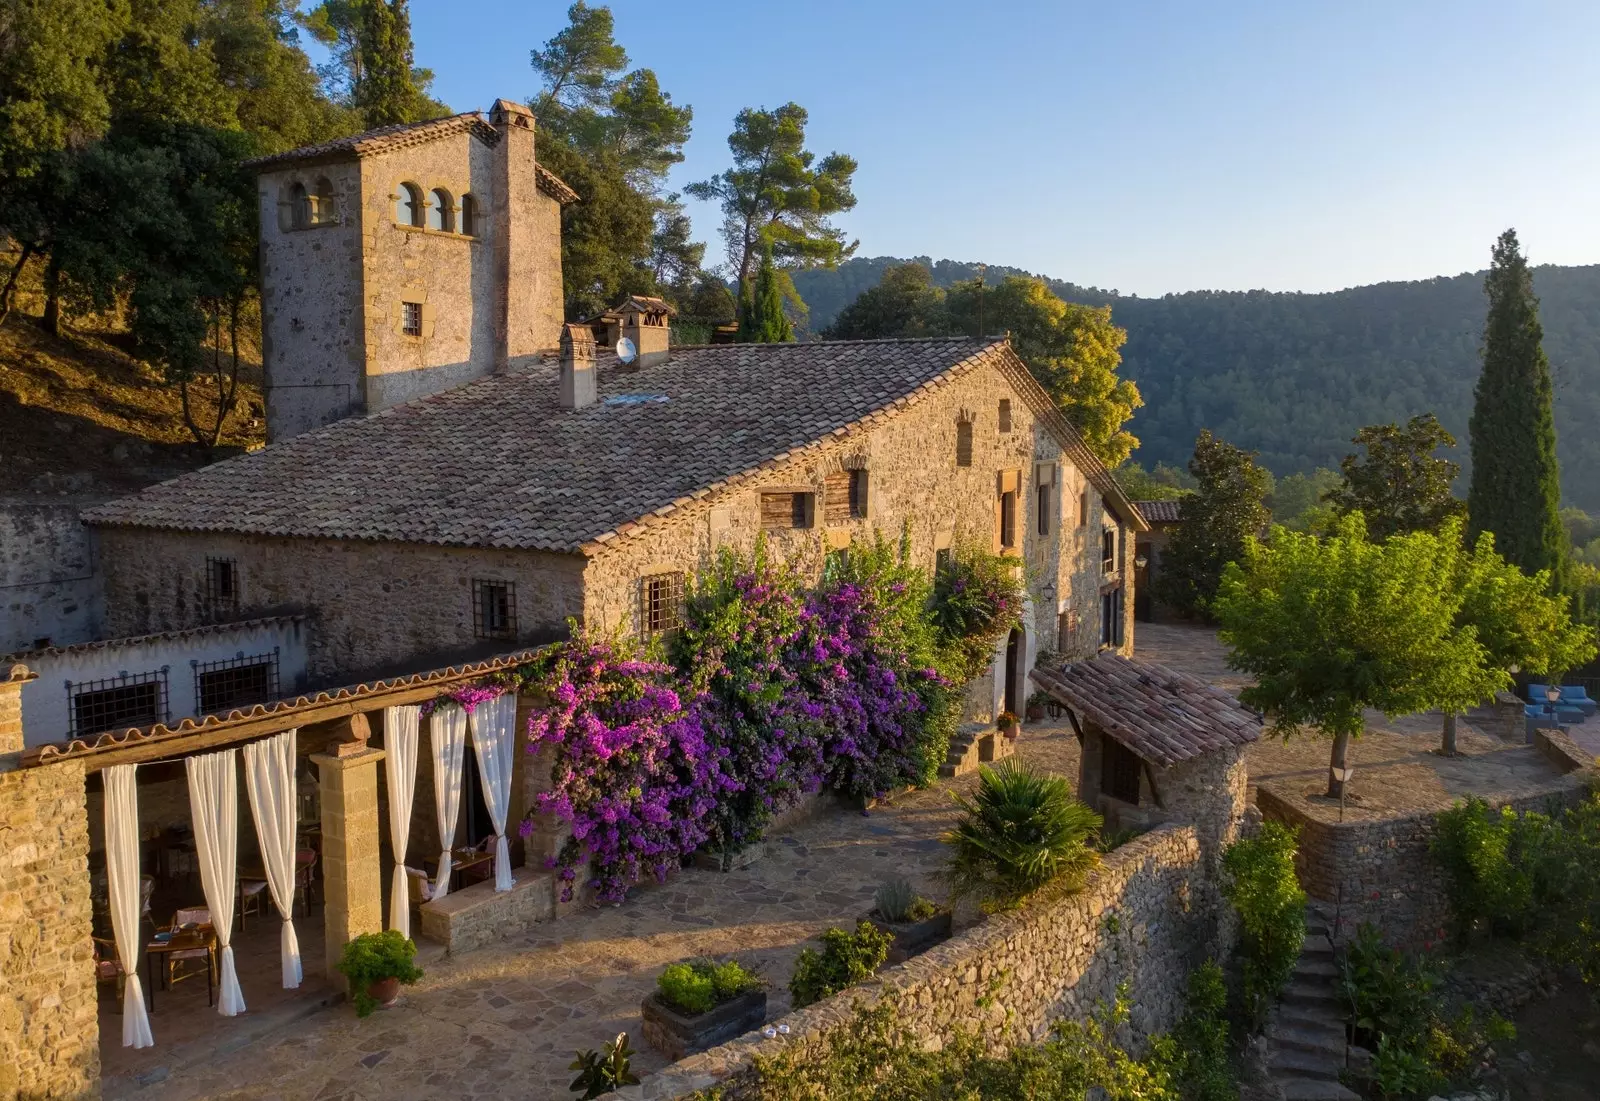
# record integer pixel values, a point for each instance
(626, 352)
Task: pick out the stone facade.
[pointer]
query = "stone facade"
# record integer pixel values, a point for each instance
(1149, 915)
(337, 278)
(49, 1038)
(1184, 792)
(49, 574)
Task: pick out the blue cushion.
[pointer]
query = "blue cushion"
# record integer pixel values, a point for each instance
(1575, 693)
(1536, 693)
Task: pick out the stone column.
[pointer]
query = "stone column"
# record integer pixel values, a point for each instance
(11, 707)
(352, 879)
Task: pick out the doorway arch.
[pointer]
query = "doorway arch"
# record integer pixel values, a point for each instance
(1015, 668)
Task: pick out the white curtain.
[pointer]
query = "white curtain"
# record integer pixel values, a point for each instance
(122, 879)
(448, 739)
(493, 739)
(214, 805)
(269, 777)
(400, 769)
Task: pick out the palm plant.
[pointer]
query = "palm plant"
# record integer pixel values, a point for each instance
(1021, 830)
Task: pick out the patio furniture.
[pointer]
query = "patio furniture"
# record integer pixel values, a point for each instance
(419, 886)
(190, 938)
(1576, 695)
(305, 874)
(147, 889)
(471, 865)
(107, 968)
(252, 896)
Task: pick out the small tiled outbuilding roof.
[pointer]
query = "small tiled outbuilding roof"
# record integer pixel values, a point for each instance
(1164, 716)
(498, 463)
(1159, 512)
(183, 635)
(403, 134)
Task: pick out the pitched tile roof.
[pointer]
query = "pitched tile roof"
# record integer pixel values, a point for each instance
(1159, 512)
(497, 463)
(184, 634)
(403, 134)
(1164, 716)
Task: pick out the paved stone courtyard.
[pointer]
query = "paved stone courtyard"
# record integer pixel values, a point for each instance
(504, 1021)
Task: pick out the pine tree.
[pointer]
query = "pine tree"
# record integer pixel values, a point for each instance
(764, 322)
(387, 92)
(1516, 485)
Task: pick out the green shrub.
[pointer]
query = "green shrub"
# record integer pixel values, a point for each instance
(601, 1073)
(845, 959)
(699, 986)
(1021, 830)
(897, 902)
(1202, 1064)
(373, 957)
(1261, 884)
(977, 598)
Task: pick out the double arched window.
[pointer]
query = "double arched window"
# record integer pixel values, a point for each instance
(299, 206)
(441, 211)
(309, 207)
(469, 216)
(410, 207)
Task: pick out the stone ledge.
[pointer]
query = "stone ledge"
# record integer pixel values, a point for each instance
(1557, 747)
(478, 915)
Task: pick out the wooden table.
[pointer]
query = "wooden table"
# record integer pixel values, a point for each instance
(202, 936)
(462, 860)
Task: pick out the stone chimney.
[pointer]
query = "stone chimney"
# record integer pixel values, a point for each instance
(647, 324)
(577, 367)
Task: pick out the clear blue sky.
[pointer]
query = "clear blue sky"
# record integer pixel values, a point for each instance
(1143, 146)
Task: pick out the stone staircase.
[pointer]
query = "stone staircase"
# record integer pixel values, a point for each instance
(1307, 1031)
(972, 745)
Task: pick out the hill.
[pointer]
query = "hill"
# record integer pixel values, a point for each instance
(1294, 376)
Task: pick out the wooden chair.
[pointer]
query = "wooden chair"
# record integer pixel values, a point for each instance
(252, 899)
(305, 874)
(147, 889)
(107, 965)
(180, 963)
(419, 886)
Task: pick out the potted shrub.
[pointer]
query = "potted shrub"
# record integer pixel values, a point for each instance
(1007, 724)
(600, 1074)
(700, 1004)
(846, 959)
(376, 965)
(1036, 706)
(915, 923)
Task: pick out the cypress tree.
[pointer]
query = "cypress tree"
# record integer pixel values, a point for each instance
(763, 320)
(1516, 485)
(387, 92)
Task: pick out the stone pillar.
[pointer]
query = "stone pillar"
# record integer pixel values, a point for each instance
(49, 1027)
(352, 879)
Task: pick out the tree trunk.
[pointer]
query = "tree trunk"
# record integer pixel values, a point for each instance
(11, 282)
(1338, 760)
(1448, 747)
(52, 298)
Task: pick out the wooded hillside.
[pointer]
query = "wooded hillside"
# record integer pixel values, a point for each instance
(1296, 375)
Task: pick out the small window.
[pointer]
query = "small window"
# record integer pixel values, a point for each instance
(494, 609)
(410, 210)
(411, 318)
(963, 443)
(323, 212)
(845, 496)
(235, 684)
(1083, 509)
(787, 510)
(661, 603)
(469, 216)
(1119, 772)
(299, 207)
(1044, 497)
(858, 494)
(222, 586)
(117, 703)
(1111, 618)
(1008, 520)
(441, 216)
(1108, 550)
(1005, 414)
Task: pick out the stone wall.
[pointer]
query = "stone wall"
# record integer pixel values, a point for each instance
(373, 608)
(49, 1029)
(1382, 872)
(49, 573)
(1147, 917)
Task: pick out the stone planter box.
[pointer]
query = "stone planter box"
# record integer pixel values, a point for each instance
(913, 937)
(676, 1034)
(713, 860)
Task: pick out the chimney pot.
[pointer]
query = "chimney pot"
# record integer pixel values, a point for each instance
(649, 332)
(578, 384)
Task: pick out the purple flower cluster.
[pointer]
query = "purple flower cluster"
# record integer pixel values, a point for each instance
(636, 777)
(469, 695)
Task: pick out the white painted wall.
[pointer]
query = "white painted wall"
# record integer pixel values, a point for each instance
(47, 701)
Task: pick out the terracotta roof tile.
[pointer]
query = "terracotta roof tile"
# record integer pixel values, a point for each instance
(1159, 512)
(1164, 716)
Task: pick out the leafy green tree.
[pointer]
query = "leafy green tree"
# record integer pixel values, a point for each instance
(1516, 482)
(1332, 626)
(373, 70)
(904, 303)
(613, 134)
(1220, 519)
(1298, 500)
(765, 322)
(1141, 485)
(1071, 349)
(1401, 485)
(778, 193)
(51, 94)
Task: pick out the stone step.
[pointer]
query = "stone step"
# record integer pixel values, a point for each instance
(1317, 946)
(1304, 1064)
(1309, 967)
(1322, 1039)
(1310, 992)
(1312, 1017)
(1314, 1089)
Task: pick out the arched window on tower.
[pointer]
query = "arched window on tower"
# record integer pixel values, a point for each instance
(323, 213)
(441, 212)
(469, 215)
(410, 209)
(299, 206)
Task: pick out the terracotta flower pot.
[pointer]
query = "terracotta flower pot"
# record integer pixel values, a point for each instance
(1036, 712)
(385, 992)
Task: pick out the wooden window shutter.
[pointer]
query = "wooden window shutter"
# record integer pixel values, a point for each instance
(836, 497)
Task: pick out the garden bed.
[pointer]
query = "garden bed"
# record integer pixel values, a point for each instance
(675, 1034)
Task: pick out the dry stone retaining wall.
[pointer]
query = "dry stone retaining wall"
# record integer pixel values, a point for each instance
(1146, 918)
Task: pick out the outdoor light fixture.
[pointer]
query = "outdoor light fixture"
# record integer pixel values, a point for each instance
(1141, 562)
(1552, 693)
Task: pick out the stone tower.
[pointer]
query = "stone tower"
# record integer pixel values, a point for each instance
(404, 261)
